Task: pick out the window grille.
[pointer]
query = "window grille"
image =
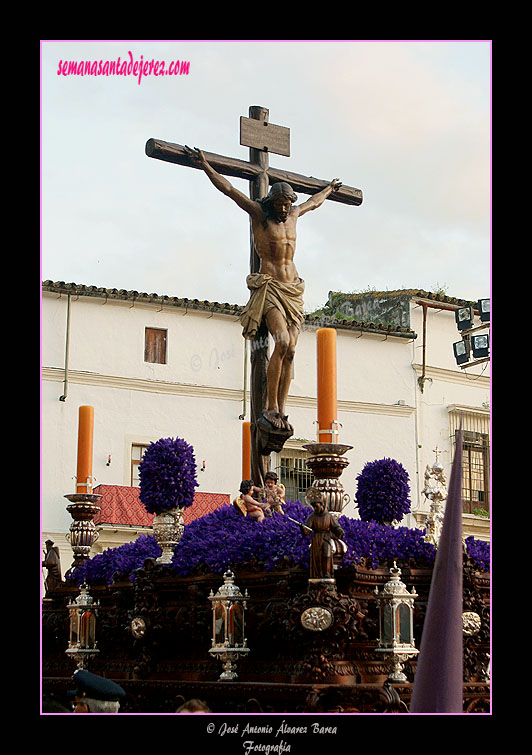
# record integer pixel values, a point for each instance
(475, 458)
(294, 473)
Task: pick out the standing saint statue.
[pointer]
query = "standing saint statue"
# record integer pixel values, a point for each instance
(326, 536)
(52, 562)
(276, 291)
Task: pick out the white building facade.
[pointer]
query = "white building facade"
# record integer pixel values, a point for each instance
(155, 367)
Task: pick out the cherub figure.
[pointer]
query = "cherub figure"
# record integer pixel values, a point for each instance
(273, 492)
(248, 505)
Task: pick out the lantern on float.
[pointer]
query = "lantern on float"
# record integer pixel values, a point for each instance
(82, 636)
(228, 626)
(396, 624)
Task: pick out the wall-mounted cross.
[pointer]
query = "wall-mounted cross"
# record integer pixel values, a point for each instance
(438, 451)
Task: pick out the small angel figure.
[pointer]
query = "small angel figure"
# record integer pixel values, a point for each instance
(247, 505)
(273, 492)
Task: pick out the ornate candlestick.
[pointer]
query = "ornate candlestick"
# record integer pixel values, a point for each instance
(327, 463)
(83, 502)
(83, 533)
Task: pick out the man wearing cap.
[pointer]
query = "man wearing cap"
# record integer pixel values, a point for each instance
(95, 694)
(277, 290)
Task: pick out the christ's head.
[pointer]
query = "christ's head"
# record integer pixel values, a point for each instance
(278, 202)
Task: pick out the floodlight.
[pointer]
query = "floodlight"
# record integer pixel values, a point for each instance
(464, 318)
(484, 309)
(461, 351)
(480, 345)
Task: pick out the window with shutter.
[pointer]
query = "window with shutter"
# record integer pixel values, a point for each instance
(155, 345)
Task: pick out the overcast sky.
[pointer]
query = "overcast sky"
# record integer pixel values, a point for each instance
(406, 122)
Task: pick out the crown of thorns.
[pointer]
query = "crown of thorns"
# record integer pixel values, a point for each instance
(281, 189)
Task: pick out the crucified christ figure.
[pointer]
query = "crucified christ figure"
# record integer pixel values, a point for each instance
(277, 290)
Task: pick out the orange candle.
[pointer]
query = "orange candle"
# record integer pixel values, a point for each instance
(327, 408)
(85, 439)
(246, 450)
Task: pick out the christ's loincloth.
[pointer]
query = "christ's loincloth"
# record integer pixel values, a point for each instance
(268, 293)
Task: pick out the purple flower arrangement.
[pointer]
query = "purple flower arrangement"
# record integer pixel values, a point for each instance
(167, 475)
(375, 544)
(383, 491)
(479, 551)
(115, 563)
(225, 539)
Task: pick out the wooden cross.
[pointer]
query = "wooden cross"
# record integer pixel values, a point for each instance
(262, 138)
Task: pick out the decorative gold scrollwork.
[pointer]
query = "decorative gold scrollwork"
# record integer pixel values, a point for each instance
(471, 623)
(317, 618)
(138, 627)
